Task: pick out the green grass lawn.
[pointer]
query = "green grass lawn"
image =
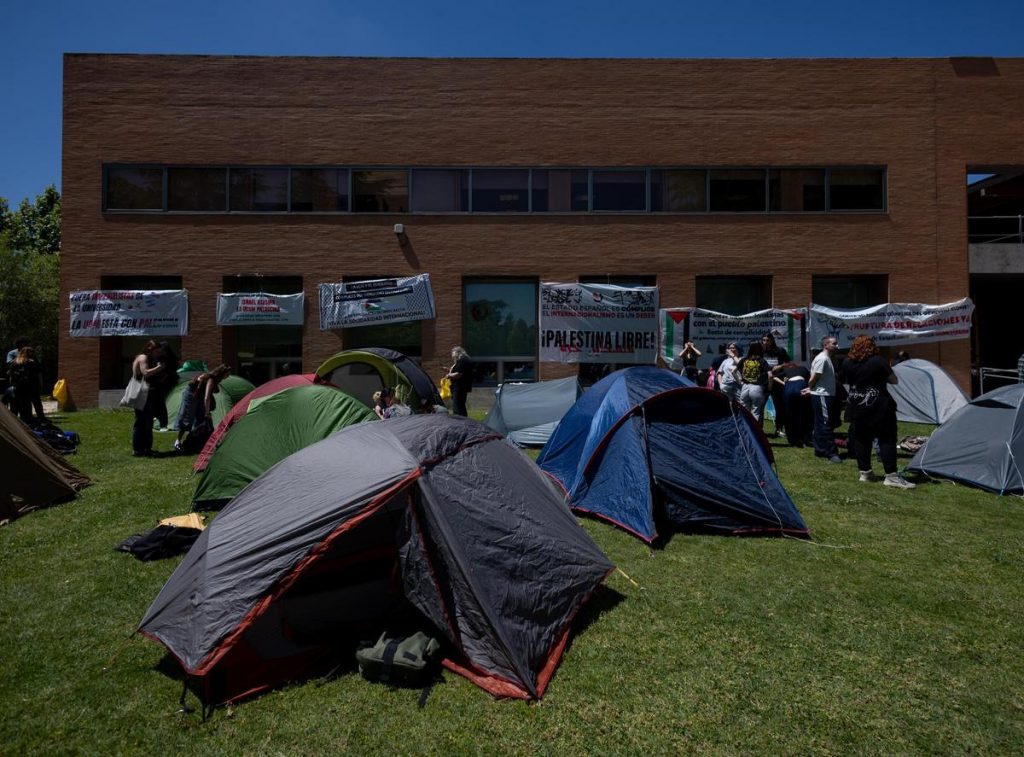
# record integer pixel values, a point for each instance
(897, 630)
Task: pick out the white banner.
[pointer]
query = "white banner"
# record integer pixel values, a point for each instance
(368, 303)
(598, 323)
(708, 329)
(259, 308)
(893, 324)
(129, 312)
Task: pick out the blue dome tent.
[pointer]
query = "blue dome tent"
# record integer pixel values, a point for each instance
(647, 450)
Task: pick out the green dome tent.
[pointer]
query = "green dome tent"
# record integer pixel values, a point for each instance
(275, 427)
(363, 372)
(232, 389)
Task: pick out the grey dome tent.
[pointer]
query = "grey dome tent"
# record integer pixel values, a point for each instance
(981, 445)
(434, 512)
(529, 413)
(925, 393)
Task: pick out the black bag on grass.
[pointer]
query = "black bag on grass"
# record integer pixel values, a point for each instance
(400, 661)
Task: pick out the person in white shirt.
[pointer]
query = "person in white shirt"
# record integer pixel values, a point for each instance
(728, 373)
(822, 389)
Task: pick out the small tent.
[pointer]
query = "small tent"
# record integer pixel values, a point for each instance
(647, 450)
(981, 445)
(925, 393)
(231, 389)
(241, 407)
(362, 372)
(32, 474)
(434, 512)
(274, 427)
(528, 413)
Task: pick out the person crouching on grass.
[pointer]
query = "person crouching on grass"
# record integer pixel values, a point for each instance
(871, 411)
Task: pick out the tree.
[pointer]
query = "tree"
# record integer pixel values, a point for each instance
(30, 275)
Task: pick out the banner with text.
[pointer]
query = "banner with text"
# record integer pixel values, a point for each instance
(258, 309)
(129, 312)
(369, 303)
(598, 323)
(708, 329)
(893, 324)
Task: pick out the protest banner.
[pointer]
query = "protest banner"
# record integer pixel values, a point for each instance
(708, 329)
(893, 324)
(598, 323)
(259, 308)
(369, 303)
(129, 312)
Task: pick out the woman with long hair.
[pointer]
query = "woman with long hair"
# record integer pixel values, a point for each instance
(147, 366)
(871, 411)
(197, 402)
(753, 375)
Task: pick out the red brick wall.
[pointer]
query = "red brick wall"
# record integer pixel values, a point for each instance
(915, 116)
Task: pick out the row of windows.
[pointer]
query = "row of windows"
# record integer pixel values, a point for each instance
(492, 190)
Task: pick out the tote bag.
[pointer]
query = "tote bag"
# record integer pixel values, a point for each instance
(135, 394)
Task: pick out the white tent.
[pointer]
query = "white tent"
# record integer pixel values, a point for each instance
(925, 393)
(529, 413)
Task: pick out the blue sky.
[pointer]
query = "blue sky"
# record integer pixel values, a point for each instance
(33, 37)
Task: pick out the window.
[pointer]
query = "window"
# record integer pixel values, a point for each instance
(858, 189)
(850, 292)
(679, 191)
(620, 190)
(135, 188)
(259, 189)
(796, 190)
(499, 328)
(435, 191)
(261, 352)
(197, 189)
(501, 190)
(737, 191)
(561, 191)
(116, 353)
(319, 190)
(380, 191)
(734, 295)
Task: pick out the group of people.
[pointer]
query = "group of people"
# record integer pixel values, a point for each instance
(23, 394)
(807, 402)
(388, 404)
(157, 367)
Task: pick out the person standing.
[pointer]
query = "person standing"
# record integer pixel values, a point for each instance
(163, 383)
(25, 377)
(822, 389)
(792, 379)
(146, 366)
(197, 403)
(8, 398)
(461, 376)
(728, 373)
(753, 372)
(775, 356)
(872, 412)
(689, 357)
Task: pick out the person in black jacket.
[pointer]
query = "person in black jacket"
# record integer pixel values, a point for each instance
(461, 376)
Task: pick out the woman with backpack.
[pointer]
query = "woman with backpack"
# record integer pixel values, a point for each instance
(752, 371)
(197, 402)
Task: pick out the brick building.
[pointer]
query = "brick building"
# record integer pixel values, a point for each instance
(730, 184)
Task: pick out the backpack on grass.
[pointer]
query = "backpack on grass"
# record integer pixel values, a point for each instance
(400, 661)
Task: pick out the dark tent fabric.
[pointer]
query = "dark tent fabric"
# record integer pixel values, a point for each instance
(241, 407)
(274, 427)
(645, 450)
(32, 474)
(364, 371)
(438, 512)
(982, 444)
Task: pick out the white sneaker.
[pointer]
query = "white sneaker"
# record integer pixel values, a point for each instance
(868, 475)
(896, 480)
(177, 446)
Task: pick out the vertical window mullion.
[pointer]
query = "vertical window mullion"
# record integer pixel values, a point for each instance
(707, 190)
(469, 192)
(165, 188)
(828, 190)
(590, 189)
(529, 190)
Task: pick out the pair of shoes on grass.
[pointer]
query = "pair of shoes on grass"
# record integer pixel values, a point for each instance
(891, 479)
